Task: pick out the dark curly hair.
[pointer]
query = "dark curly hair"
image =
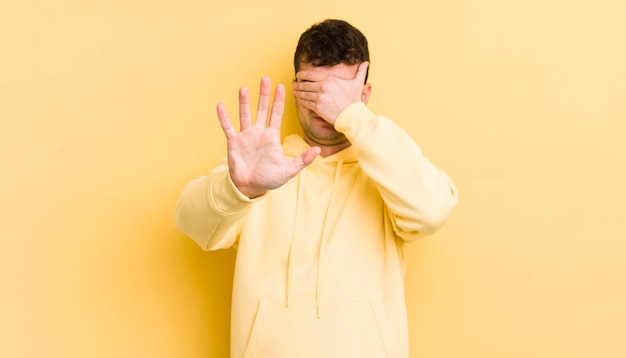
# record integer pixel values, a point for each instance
(330, 43)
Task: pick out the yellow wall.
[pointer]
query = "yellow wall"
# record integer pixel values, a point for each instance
(107, 109)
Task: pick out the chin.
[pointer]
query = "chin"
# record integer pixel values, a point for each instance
(329, 141)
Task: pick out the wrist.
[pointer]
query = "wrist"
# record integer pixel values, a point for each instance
(251, 193)
(243, 192)
(354, 120)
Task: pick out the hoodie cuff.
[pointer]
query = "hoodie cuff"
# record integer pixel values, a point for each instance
(355, 120)
(228, 198)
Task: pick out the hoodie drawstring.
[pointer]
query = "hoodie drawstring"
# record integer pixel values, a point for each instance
(325, 233)
(293, 235)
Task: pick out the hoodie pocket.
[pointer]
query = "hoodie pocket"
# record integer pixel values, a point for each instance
(345, 329)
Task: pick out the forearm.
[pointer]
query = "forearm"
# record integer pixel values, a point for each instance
(210, 209)
(419, 196)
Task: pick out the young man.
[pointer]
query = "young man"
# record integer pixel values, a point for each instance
(320, 222)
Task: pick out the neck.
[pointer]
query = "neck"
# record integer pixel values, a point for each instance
(327, 150)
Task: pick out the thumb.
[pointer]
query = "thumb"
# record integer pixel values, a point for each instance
(301, 162)
(361, 72)
(306, 158)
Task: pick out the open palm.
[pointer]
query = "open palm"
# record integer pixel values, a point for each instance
(256, 159)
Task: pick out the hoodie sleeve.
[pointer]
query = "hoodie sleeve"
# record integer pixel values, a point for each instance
(211, 210)
(419, 197)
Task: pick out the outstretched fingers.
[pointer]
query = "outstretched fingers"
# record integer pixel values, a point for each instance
(227, 126)
(264, 102)
(278, 107)
(245, 119)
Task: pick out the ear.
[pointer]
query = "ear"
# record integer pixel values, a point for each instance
(365, 94)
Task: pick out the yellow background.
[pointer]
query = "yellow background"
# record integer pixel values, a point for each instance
(107, 109)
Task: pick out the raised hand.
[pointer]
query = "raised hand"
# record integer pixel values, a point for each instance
(328, 95)
(256, 160)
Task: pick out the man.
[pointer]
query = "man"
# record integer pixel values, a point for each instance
(320, 222)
